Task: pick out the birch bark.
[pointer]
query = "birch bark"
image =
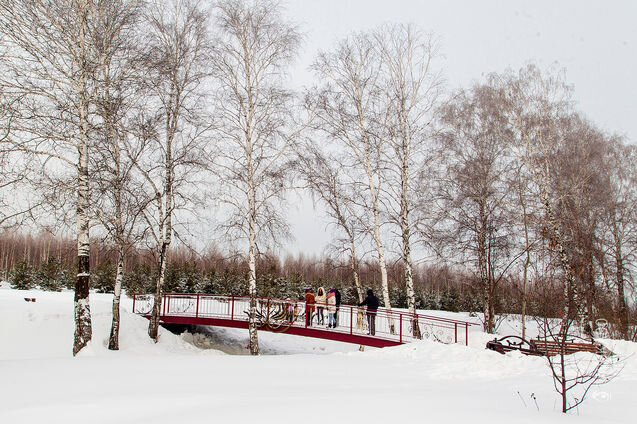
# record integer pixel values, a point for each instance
(83, 325)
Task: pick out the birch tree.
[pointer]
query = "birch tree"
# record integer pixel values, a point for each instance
(253, 47)
(352, 113)
(580, 189)
(114, 36)
(535, 106)
(475, 191)
(171, 127)
(412, 86)
(50, 68)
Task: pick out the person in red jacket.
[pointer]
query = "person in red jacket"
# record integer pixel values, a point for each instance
(309, 306)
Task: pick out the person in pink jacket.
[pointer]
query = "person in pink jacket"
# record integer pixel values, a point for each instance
(331, 308)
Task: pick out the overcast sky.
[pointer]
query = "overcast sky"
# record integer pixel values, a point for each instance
(594, 41)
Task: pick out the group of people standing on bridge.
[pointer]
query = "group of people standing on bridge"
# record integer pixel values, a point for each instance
(331, 301)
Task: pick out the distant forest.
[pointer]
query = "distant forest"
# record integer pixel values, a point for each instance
(48, 263)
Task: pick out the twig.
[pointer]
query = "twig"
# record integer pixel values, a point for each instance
(523, 402)
(535, 400)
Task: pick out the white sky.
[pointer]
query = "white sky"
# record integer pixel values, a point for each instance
(595, 41)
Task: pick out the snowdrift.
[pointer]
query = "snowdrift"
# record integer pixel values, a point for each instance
(184, 379)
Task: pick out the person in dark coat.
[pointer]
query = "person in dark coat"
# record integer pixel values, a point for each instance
(337, 294)
(371, 302)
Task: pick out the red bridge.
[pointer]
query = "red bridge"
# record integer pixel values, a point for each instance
(287, 316)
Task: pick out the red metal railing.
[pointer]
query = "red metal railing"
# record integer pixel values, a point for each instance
(392, 325)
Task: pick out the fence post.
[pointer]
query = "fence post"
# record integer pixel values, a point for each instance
(232, 310)
(197, 309)
(163, 299)
(351, 320)
(466, 334)
(401, 328)
(455, 330)
(134, 297)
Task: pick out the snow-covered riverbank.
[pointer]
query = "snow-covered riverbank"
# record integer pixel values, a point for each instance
(300, 379)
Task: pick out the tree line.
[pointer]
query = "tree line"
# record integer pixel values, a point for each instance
(48, 263)
(146, 122)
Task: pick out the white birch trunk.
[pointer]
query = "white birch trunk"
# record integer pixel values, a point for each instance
(113, 340)
(380, 250)
(405, 235)
(166, 231)
(569, 288)
(252, 324)
(484, 273)
(409, 280)
(527, 261)
(354, 267)
(83, 331)
(165, 216)
(116, 185)
(153, 326)
(252, 257)
(383, 267)
(82, 311)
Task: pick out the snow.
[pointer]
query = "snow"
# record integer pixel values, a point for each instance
(188, 379)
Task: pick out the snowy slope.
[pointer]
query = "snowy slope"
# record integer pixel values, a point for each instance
(301, 380)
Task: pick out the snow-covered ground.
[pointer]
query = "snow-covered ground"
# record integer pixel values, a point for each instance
(184, 379)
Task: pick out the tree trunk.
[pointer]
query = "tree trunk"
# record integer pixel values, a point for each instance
(409, 280)
(569, 288)
(82, 311)
(562, 379)
(165, 214)
(354, 266)
(621, 297)
(484, 274)
(113, 340)
(153, 326)
(405, 235)
(525, 280)
(83, 331)
(590, 298)
(252, 254)
(380, 250)
(117, 184)
(252, 324)
(527, 260)
(381, 260)
(383, 277)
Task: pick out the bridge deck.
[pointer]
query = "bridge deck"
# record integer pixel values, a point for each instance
(287, 316)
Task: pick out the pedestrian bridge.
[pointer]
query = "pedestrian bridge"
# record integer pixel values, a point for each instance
(393, 327)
